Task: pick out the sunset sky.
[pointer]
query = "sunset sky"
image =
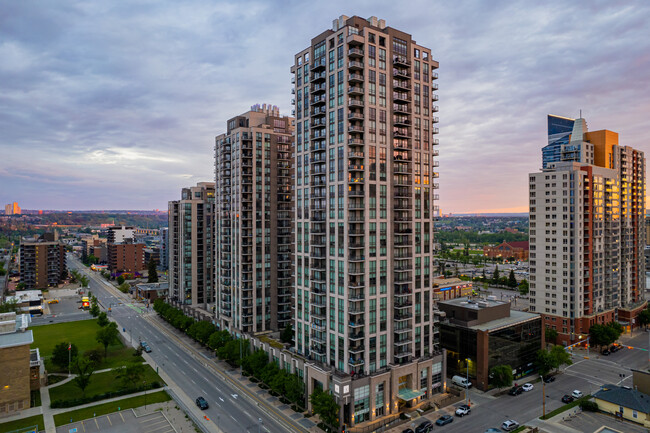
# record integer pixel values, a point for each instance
(115, 105)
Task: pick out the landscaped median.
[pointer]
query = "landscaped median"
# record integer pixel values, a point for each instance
(566, 407)
(23, 423)
(106, 408)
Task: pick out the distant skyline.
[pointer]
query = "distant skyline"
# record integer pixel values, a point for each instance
(116, 105)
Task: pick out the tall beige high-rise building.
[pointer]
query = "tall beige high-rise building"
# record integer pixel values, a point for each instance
(587, 222)
(253, 222)
(365, 192)
(191, 246)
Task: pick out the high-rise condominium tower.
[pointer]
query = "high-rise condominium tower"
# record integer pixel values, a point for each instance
(365, 192)
(253, 221)
(587, 213)
(191, 246)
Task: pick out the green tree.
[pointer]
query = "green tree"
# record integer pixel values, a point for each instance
(84, 369)
(512, 281)
(102, 319)
(60, 354)
(153, 272)
(550, 335)
(130, 374)
(644, 318)
(124, 287)
(523, 287)
(604, 335)
(120, 280)
(544, 362)
(9, 306)
(495, 275)
(324, 404)
(83, 280)
(94, 355)
(294, 389)
(201, 331)
(287, 334)
(501, 376)
(219, 339)
(560, 357)
(94, 310)
(108, 335)
(255, 362)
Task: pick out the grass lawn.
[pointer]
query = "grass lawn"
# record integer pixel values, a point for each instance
(105, 408)
(23, 423)
(82, 334)
(566, 407)
(100, 383)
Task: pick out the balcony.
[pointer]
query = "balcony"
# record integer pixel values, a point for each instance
(355, 129)
(354, 65)
(357, 348)
(356, 336)
(401, 84)
(401, 61)
(356, 258)
(355, 155)
(318, 64)
(318, 88)
(318, 77)
(356, 362)
(355, 78)
(355, 52)
(355, 102)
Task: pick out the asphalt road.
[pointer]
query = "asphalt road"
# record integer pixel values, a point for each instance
(232, 409)
(586, 375)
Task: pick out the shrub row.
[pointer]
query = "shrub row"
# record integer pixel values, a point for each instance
(84, 400)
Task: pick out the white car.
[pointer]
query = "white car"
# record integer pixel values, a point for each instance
(576, 394)
(509, 425)
(463, 410)
(527, 386)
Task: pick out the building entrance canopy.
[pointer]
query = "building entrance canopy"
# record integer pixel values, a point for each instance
(407, 394)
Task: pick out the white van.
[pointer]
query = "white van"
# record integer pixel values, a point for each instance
(461, 381)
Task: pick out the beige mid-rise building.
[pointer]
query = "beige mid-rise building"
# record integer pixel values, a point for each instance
(191, 246)
(253, 222)
(587, 235)
(365, 192)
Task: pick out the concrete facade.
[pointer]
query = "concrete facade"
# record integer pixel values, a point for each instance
(587, 234)
(365, 164)
(191, 246)
(253, 273)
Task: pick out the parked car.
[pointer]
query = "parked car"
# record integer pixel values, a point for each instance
(492, 430)
(605, 352)
(424, 427)
(147, 348)
(463, 410)
(509, 425)
(548, 378)
(527, 387)
(614, 349)
(576, 393)
(566, 398)
(444, 420)
(408, 430)
(202, 403)
(515, 390)
(143, 344)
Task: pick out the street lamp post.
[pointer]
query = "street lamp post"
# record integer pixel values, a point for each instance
(144, 382)
(543, 396)
(467, 382)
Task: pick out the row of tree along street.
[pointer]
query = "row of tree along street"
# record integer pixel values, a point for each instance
(289, 387)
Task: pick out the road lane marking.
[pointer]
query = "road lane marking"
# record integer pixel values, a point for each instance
(193, 381)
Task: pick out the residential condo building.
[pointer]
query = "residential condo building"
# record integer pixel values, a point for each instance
(191, 246)
(587, 222)
(253, 222)
(12, 209)
(365, 192)
(42, 264)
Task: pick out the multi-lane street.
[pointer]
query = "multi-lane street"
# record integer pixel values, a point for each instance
(586, 375)
(233, 408)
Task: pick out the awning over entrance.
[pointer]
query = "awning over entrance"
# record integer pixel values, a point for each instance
(407, 394)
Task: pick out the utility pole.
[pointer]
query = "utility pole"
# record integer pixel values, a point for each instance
(467, 383)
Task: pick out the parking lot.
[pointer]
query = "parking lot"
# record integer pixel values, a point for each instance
(121, 422)
(65, 310)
